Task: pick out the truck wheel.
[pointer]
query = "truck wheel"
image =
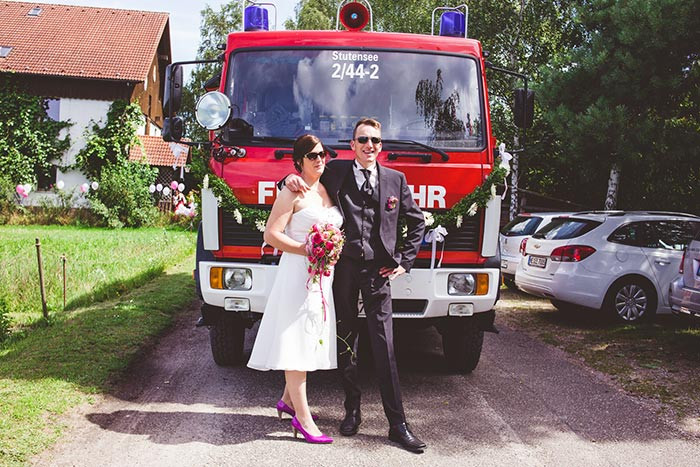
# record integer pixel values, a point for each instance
(227, 338)
(462, 347)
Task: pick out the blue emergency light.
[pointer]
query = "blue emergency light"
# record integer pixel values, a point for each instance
(255, 19)
(452, 24)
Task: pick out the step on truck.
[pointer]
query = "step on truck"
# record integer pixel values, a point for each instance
(430, 94)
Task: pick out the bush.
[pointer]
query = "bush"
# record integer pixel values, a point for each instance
(123, 199)
(4, 319)
(8, 202)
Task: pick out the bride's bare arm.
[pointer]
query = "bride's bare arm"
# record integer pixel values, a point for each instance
(282, 211)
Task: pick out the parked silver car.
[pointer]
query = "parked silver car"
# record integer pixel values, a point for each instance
(684, 292)
(512, 235)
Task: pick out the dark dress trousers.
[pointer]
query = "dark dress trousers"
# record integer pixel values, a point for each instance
(371, 230)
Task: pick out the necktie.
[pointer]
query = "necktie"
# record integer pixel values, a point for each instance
(366, 187)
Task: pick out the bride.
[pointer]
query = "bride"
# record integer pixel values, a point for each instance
(295, 335)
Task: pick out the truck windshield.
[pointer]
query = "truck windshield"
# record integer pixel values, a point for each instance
(430, 98)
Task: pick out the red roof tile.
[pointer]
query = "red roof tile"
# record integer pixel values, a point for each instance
(78, 41)
(158, 152)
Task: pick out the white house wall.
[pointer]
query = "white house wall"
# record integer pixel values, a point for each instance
(83, 114)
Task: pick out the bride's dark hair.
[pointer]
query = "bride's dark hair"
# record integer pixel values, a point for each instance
(302, 146)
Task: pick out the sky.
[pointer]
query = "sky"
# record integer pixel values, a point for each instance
(185, 17)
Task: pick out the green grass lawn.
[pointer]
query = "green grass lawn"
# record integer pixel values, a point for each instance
(101, 264)
(61, 365)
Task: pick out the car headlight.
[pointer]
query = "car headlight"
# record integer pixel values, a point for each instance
(231, 278)
(460, 284)
(213, 110)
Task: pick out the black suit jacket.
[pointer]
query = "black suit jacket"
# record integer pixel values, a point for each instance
(392, 183)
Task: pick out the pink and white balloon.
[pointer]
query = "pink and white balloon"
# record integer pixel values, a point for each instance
(94, 186)
(173, 185)
(166, 191)
(181, 187)
(159, 188)
(60, 184)
(84, 188)
(152, 188)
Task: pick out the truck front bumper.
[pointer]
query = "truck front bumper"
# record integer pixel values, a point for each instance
(422, 293)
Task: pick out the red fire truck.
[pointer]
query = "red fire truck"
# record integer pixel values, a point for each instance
(430, 94)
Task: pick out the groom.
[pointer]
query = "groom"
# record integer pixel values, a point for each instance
(372, 198)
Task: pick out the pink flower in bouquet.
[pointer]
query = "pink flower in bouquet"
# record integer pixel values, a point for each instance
(391, 203)
(323, 246)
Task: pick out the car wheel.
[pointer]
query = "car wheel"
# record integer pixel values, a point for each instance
(632, 300)
(564, 307)
(509, 281)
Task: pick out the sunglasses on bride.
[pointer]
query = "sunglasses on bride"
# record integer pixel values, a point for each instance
(312, 156)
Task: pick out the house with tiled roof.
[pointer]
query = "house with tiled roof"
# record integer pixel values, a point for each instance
(169, 158)
(81, 59)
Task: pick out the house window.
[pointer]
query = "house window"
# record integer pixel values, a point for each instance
(46, 181)
(36, 11)
(5, 51)
(53, 107)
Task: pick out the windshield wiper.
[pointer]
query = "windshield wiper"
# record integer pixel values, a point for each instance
(445, 156)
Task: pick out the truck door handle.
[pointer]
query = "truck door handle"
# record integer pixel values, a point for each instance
(661, 262)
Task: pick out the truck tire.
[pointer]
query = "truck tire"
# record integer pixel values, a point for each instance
(227, 338)
(462, 347)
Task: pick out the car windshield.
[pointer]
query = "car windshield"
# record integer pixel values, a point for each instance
(429, 98)
(521, 225)
(565, 228)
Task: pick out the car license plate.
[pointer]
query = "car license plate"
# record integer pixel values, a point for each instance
(537, 261)
(504, 263)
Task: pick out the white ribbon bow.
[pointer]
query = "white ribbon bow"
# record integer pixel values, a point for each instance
(262, 250)
(505, 163)
(433, 236)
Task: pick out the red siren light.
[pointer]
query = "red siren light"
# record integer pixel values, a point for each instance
(354, 16)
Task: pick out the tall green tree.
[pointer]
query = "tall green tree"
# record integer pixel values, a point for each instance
(625, 104)
(214, 28)
(29, 139)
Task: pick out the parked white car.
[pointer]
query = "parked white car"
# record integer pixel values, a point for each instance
(512, 235)
(622, 262)
(684, 292)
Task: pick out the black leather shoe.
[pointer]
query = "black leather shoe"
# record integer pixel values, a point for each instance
(402, 434)
(351, 423)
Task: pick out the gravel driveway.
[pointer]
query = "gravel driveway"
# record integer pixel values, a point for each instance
(527, 404)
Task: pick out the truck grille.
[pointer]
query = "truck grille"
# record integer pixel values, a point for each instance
(235, 234)
(466, 238)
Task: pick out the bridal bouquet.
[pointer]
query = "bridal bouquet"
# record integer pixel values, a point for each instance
(324, 242)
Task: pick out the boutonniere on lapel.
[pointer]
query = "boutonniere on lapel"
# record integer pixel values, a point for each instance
(391, 203)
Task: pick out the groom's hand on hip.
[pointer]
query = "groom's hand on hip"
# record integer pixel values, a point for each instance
(391, 273)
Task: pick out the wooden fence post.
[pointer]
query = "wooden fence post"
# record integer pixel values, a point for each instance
(63, 260)
(41, 280)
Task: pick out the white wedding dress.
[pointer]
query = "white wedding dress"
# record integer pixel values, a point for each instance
(293, 333)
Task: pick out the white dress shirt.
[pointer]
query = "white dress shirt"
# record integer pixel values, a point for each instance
(360, 177)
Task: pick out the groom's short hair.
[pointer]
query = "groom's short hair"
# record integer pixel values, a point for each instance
(366, 121)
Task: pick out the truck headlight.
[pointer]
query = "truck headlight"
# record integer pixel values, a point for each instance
(460, 284)
(213, 110)
(231, 278)
(467, 284)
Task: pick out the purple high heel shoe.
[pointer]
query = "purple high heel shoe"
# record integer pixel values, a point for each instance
(282, 407)
(296, 428)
